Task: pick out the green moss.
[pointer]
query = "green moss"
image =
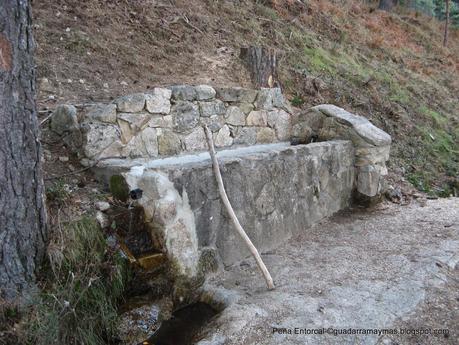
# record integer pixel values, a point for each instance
(119, 187)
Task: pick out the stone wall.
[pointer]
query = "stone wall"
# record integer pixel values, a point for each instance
(372, 145)
(276, 190)
(156, 141)
(168, 121)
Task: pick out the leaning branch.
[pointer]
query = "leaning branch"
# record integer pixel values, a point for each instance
(229, 208)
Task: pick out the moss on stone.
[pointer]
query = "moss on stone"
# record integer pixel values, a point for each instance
(119, 187)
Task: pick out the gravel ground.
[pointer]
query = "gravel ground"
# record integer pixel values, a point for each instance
(390, 268)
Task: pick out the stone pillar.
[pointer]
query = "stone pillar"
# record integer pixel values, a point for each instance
(372, 145)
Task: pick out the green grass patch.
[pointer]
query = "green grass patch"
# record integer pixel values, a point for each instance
(297, 101)
(320, 60)
(437, 153)
(438, 119)
(85, 282)
(57, 192)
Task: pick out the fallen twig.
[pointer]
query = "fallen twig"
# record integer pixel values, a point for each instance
(229, 208)
(46, 118)
(185, 18)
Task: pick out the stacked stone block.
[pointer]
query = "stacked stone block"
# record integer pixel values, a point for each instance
(372, 145)
(168, 121)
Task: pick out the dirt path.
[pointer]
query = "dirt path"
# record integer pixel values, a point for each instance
(389, 268)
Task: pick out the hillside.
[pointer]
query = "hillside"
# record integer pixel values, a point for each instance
(389, 67)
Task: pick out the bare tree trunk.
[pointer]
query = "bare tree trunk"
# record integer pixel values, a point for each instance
(22, 207)
(262, 65)
(387, 5)
(445, 37)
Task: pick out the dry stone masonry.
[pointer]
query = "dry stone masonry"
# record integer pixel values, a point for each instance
(372, 145)
(156, 142)
(167, 122)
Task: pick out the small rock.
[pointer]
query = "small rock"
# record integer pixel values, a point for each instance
(158, 101)
(235, 116)
(98, 137)
(264, 99)
(168, 143)
(204, 92)
(64, 158)
(215, 122)
(161, 121)
(245, 135)
(196, 140)
(102, 205)
(102, 219)
(123, 83)
(131, 103)
(45, 85)
(208, 109)
(302, 132)
(246, 108)
(236, 94)
(102, 113)
(280, 121)
(368, 180)
(257, 118)
(223, 137)
(394, 194)
(139, 324)
(266, 135)
(47, 155)
(144, 144)
(185, 115)
(64, 119)
(183, 92)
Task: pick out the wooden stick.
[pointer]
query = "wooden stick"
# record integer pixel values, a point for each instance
(229, 208)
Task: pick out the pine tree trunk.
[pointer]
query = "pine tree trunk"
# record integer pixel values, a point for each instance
(445, 36)
(262, 65)
(22, 207)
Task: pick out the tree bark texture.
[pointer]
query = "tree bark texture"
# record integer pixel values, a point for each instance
(22, 207)
(262, 65)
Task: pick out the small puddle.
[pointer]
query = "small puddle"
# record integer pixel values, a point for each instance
(184, 326)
